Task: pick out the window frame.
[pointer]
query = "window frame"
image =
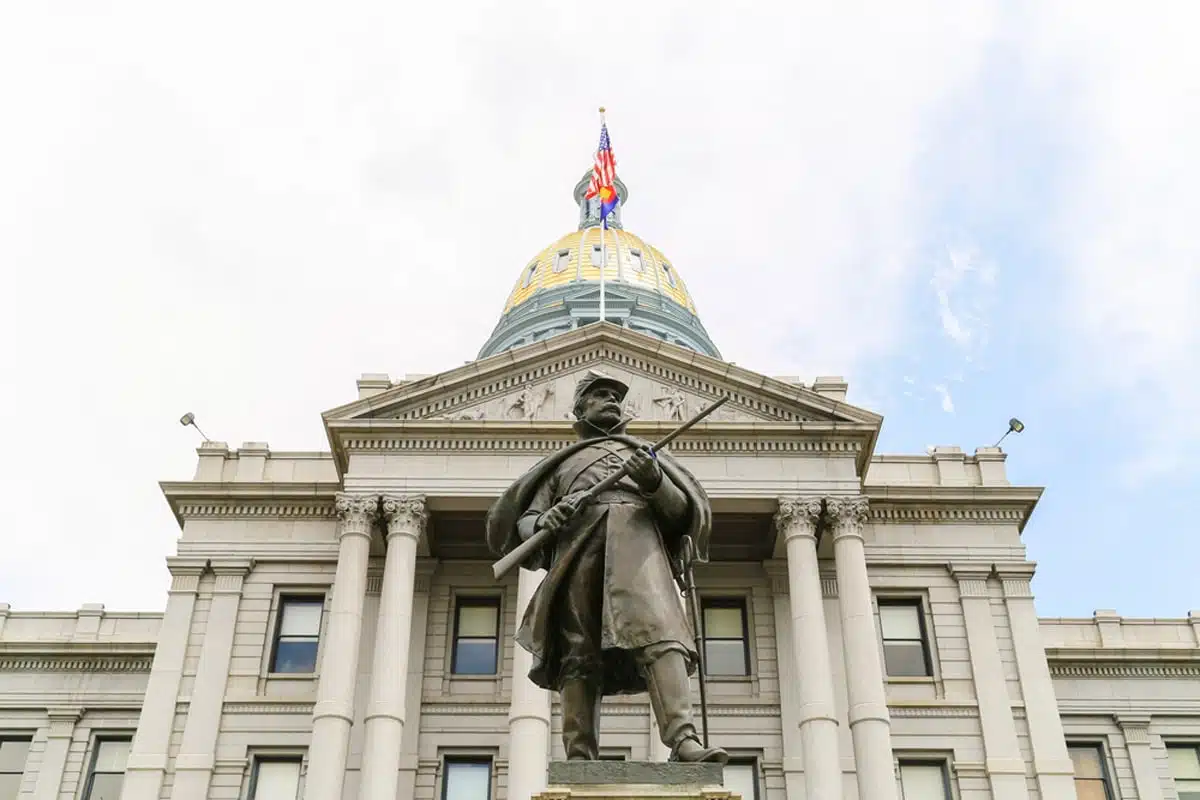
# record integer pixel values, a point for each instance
(562, 260)
(283, 596)
(98, 739)
(637, 260)
(530, 272)
(742, 603)
(460, 601)
(916, 602)
(1106, 775)
(754, 761)
(27, 740)
(669, 271)
(449, 759)
(270, 756)
(1180, 744)
(916, 760)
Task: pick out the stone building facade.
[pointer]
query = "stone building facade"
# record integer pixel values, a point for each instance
(333, 629)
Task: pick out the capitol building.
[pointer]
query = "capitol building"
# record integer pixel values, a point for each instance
(333, 628)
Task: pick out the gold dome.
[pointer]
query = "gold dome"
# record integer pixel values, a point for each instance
(631, 261)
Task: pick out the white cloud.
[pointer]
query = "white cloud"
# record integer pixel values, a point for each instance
(1126, 84)
(947, 400)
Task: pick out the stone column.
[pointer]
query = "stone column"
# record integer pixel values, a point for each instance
(1051, 761)
(197, 751)
(1136, 730)
(1005, 767)
(870, 725)
(54, 758)
(817, 718)
(410, 755)
(148, 753)
(529, 711)
(405, 518)
(789, 696)
(334, 709)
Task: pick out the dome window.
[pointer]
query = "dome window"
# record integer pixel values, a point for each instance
(597, 255)
(635, 256)
(560, 261)
(669, 273)
(529, 273)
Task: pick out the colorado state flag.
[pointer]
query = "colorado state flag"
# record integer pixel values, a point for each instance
(604, 172)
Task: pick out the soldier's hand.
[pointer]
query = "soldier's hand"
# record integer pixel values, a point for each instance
(562, 511)
(644, 470)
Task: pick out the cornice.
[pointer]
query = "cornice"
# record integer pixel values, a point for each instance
(250, 500)
(1150, 655)
(979, 505)
(76, 657)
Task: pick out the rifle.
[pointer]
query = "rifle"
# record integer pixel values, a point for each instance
(526, 548)
(687, 554)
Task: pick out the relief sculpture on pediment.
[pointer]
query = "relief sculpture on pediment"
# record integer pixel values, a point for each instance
(649, 399)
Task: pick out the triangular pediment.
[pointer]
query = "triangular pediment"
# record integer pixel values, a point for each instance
(536, 383)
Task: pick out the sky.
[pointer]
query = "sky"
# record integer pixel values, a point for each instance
(972, 211)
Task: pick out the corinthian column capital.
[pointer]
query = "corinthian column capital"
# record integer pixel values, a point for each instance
(405, 515)
(356, 511)
(847, 514)
(798, 516)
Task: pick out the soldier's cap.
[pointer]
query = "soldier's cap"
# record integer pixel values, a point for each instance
(594, 378)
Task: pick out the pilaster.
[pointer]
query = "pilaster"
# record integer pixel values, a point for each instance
(405, 517)
(148, 753)
(333, 712)
(789, 694)
(60, 727)
(1136, 730)
(870, 724)
(1005, 767)
(194, 764)
(529, 710)
(1051, 762)
(797, 520)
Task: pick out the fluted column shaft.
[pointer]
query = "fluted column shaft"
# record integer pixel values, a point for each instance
(797, 522)
(1005, 766)
(54, 757)
(148, 753)
(333, 712)
(405, 517)
(870, 726)
(197, 751)
(529, 711)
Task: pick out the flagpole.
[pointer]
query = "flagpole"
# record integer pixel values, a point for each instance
(603, 252)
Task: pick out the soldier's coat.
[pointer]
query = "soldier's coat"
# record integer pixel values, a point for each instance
(641, 599)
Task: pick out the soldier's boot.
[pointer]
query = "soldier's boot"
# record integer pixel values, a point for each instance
(581, 719)
(671, 698)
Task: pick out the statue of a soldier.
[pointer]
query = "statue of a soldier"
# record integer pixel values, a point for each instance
(607, 617)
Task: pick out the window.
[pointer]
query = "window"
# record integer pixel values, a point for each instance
(924, 780)
(610, 756)
(530, 271)
(597, 255)
(12, 766)
(108, 769)
(635, 257)
(741, 777)
(905, 654)
(726, 651)
(299, 632)
(669, 273)
(561, 260)
(476, 634)
(275, 779)
(1091, 783)
(1185, 769)
(467, 779)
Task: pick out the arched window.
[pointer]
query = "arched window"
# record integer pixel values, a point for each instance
(529, 273)
(669, 273)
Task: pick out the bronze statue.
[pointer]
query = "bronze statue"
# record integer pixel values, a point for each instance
(607, 617)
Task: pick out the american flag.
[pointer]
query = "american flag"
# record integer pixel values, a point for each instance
(604, 172)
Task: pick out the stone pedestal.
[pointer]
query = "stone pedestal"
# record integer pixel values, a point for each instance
(634, 780)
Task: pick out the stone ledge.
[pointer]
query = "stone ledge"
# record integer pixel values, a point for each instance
(644, 773)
